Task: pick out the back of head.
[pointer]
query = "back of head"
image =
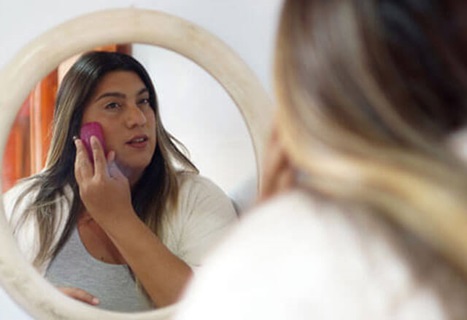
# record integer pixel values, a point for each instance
(369, 92)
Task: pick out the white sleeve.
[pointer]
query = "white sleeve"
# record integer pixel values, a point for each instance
(204, 216)
(26, 236)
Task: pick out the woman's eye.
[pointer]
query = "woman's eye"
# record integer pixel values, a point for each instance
(144, 101)
(112, 105)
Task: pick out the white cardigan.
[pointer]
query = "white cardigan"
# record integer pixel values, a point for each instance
(204, 215)
(300, 258)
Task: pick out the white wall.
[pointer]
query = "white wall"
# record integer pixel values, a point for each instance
(194, 107)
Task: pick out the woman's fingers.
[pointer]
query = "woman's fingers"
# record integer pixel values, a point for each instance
(100, 162)
(99, 182)
(114, 170)
(83, 166)
(79, 294)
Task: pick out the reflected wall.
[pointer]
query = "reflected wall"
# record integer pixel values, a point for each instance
(199, 112)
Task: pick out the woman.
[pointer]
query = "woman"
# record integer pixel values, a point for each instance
(371, 95)
(136, 212)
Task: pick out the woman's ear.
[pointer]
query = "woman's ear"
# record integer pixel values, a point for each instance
(278, 174)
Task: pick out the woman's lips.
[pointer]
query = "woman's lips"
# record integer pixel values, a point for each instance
(138, 142)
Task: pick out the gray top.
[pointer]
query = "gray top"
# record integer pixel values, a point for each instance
(112, 284)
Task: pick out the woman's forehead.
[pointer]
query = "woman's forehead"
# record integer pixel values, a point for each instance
(124, 82)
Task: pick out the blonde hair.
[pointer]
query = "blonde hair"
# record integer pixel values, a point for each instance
(369, 92)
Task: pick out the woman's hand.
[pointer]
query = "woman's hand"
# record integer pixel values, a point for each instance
(104, 190)
(79, 294)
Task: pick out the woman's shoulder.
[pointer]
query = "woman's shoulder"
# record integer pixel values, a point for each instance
(24, 192)
(381, 260)
(19, 190)
(21, 185)
(199, 194)
(190, 182)
(299, 251)
(203, 215)
(188, 177)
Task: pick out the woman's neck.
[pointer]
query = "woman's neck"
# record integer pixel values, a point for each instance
(96, 241)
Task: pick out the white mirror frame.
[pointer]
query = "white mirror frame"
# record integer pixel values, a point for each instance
(29, 289)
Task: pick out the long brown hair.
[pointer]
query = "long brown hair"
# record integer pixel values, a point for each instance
(369, 92)
(153, 194)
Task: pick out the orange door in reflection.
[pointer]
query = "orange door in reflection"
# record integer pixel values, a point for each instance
(29, 138)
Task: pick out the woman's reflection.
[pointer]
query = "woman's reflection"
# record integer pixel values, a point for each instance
(125, 230)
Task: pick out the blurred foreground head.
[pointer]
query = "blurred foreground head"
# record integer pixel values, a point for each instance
(369, 92)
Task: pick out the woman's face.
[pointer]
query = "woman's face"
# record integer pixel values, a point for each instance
(121, 105)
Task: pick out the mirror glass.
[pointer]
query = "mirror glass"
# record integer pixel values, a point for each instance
(194, 108)
(37, 59)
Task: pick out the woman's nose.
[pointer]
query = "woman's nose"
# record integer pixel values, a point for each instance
(135, 116)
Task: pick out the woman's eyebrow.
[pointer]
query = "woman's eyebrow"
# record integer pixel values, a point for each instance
(144, 90)
(110, 94)
(119, 94)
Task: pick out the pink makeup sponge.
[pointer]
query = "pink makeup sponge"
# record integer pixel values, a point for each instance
(87, 131)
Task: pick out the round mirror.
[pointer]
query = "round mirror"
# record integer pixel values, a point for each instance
(42, 55)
